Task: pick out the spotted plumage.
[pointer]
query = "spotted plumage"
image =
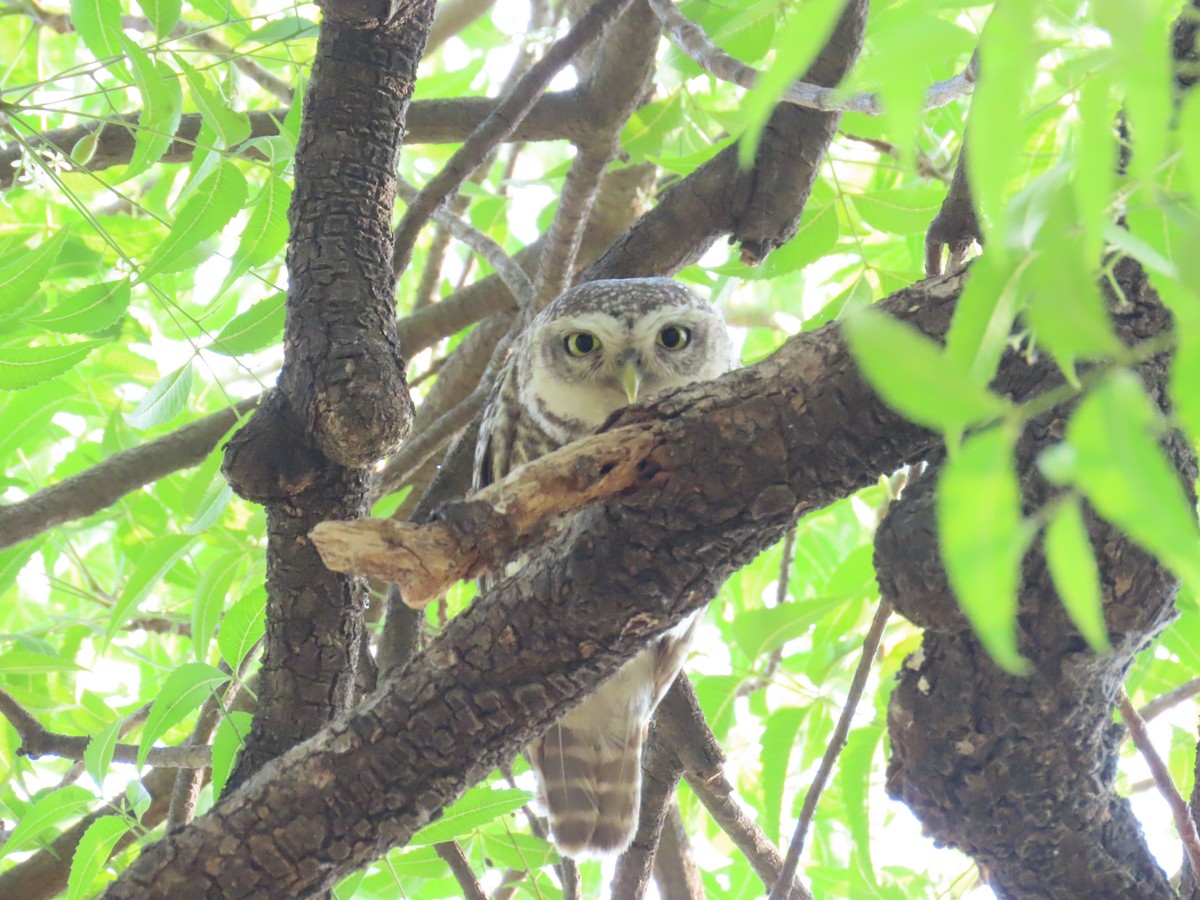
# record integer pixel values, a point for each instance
(598, 347)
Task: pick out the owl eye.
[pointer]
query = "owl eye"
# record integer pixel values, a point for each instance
(580, 343)
(674, 337)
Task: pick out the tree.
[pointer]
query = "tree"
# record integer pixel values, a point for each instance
(1041, 557)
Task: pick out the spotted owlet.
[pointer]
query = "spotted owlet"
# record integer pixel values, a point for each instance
(598, 347)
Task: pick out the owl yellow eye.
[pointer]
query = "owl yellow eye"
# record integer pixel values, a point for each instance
(580, 343)
(674, 337)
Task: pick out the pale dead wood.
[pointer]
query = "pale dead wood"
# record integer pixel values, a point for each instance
(480, 534)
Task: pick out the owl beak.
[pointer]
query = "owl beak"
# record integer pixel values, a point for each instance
(631, 380)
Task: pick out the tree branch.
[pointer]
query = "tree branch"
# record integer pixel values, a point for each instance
(1162, 778)
(676, 874)
(693, 41)
(37, 742)
(837, 743)
(498, 126)
(1160, 705)
(661, 771)
(463, 873)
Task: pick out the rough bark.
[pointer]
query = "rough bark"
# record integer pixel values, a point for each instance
(757, 207)
(1019, 772)
(341, 402)
(748, 454)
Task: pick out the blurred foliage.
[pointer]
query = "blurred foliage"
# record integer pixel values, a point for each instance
(137, 298)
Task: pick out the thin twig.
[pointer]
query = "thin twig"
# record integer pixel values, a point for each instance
(692, 40)
(36, 742)
(566, 231)
(130, 722)
(836, 743)
(1162, 777)
(781, 592)
(572, 887)
(461, 867)
(676, 874)
(1160, 705)
(506, 267)
(687, 733)
(502, 121)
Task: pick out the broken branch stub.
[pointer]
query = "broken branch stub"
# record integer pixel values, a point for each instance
(468, 538)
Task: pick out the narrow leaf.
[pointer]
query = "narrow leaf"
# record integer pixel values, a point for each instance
(1127, 478)
(265, 233)
(165, 399)
(90, 309)
(476, 807)
(242, 626)
(215, 201)
(45, 813)
(98, 754)
(92, 852)
(163, 13)
(1073, 567)
(28, 662)
(983, 539)
(185, 689)
(162, 107)
(258, 327)
(23, 272)
(912, 374)
(21, 367)
(157, 559)
(98, 23)
(231, 127)
(231, 735)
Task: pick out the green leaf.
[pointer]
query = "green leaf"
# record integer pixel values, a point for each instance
(185, 689)
(165, 400)
(231, 127)
(90, 309)
(216, 200)
(242, 626)
(163, 13)
(21, 367)
(215, 582)
(476, 807)
(26, 662)
(900, 210)
(1127, 477)
(775, 754)
(266, 231)
(1066, 310)
(92, 852)
(162, 105)
(983, 318)
(808, 29)
(983, 539)
(258, 327)
(98, 23)
(212, 505)
(229, 739)
(1095, 160)
(1189, 136)
(44, 814)
(1007, 58)
(1073, 567)
(157, 559)
(854, 776)
(914, 376)
(22, 273)
(99, 752)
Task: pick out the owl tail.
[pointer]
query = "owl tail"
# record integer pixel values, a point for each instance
(591, 786)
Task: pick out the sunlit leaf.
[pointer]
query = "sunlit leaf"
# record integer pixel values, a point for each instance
(89, 310)
(232, 127)
(983, 539)
(476, 807)
(156, 560)
(99, 24)
(92, 852)
(163, 13)
(215, 201)
(1126, 476)
(21, 367)
(914, 376)
(184, 690)
(22, 272)
(242, 627)
(165, 400)
(258, 327)
(44, 814)
(162, 103)
(231, 735)
(99, 752)
(1073, 568)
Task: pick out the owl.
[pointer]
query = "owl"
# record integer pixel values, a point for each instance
(598, 347)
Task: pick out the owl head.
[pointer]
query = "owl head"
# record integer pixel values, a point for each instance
(605, 344)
